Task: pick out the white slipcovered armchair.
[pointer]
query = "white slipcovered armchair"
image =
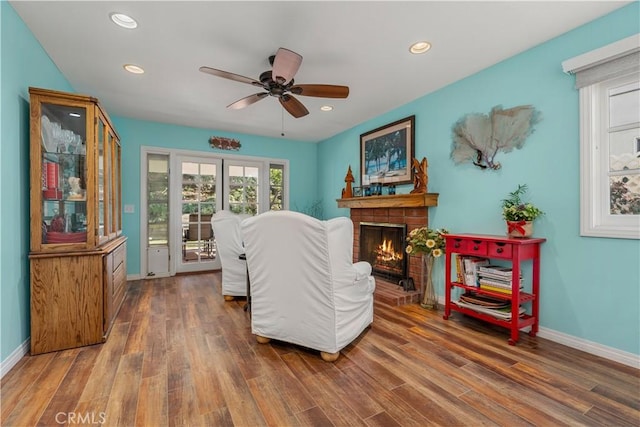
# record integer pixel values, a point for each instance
(305, 288)
(226, 230)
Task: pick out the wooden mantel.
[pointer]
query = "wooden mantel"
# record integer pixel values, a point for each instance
(393, 201)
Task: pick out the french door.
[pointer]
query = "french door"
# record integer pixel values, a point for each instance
(200, 198)
(180, 192)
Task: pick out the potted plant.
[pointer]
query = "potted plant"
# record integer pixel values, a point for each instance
(519, 214)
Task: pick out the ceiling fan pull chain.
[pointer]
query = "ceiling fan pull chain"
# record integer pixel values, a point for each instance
(282, 113)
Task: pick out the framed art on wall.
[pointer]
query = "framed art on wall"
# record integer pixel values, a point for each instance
(386, 153)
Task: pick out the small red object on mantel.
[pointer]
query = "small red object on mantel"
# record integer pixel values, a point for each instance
(347, 192)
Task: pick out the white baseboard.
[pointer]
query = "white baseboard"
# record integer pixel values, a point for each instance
(133, 277)
(591, 347)
(14, 358)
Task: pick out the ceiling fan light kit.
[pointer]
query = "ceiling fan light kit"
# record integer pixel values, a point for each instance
(278, 82)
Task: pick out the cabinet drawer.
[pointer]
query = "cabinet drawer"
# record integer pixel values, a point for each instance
(500, 250)
(456, 245)
(476, 247)
(118, 256)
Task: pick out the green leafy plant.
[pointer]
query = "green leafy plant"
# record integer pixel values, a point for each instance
(515, 209)
(426, 240)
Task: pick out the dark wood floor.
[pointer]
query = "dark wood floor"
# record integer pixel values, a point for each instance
(179, 355)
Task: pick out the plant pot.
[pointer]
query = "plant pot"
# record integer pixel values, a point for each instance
(519, 228)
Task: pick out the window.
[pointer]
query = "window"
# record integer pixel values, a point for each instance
(609, 84)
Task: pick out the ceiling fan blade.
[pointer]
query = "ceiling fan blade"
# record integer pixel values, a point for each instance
(293, 106)
(321, 91)
(247, 100)
(285, 65)
(230, 76)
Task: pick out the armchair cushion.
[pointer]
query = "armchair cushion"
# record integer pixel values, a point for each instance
(305, 288)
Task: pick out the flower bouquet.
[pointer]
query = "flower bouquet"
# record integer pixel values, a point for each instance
(431, 244)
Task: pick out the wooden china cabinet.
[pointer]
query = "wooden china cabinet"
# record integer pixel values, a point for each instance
(78, 252)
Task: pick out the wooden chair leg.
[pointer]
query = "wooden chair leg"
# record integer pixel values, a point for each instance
(329, 357)
(262, 340)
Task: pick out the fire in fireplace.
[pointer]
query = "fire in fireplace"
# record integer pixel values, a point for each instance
(382, 245)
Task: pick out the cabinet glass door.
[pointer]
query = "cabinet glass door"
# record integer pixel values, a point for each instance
(108, 182)
(101, 177)
(63, 132)
(117, 201)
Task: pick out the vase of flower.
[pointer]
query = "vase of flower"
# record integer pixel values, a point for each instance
(429, 298)
(518, 214)
(430, 244)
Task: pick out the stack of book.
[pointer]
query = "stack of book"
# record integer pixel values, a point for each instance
(496, 278)
(500, 309)
(467, 269)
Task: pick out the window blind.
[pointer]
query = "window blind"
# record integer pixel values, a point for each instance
(609, 69)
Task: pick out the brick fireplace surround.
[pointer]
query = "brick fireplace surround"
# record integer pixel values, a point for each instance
(409, 209)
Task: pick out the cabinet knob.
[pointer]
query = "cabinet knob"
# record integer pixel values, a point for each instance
(475, 248)
(456, 245)
(499, 250)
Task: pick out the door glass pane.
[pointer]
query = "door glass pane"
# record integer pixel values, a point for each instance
(276, 187)
(244, 189)
(64, 174)
(158, 199)
(198, 205)
(208, 188)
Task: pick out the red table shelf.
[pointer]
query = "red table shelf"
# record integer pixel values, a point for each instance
(516, 251)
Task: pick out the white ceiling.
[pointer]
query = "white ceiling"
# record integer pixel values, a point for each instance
(363, 45)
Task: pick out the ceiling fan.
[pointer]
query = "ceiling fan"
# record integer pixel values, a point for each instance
(279, 82)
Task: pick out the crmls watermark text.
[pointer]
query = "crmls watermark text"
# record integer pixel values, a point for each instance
(80, 418)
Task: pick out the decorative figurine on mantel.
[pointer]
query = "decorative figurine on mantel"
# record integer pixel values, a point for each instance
(347, 192)
(420, 177)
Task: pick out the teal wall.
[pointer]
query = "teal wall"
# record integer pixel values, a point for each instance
(24, 64)
(590, 286)
(302, 158)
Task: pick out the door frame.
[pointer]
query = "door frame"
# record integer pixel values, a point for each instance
(174, 153)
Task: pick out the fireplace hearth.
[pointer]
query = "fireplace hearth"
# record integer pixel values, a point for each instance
(383, 245)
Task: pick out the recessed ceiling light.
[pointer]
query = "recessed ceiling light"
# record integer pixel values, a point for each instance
(125, 21)
(419, 47)
(133, 69)
(326, 108)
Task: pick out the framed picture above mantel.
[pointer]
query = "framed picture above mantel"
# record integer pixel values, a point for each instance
(386, 153)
